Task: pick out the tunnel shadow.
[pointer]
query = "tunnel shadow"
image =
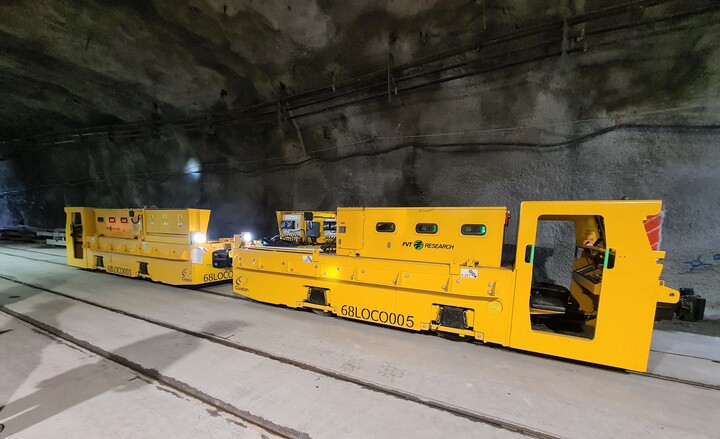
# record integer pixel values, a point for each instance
(11, 292)
(31, 355)
(69, 389)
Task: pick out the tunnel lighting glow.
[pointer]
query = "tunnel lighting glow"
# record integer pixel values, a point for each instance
(247, 237)
(192, 169)
(199, 238)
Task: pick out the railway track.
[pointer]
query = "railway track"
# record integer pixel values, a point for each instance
(154, 375)
(406, 396)
(62, 258)
(34, 251)
(43, 257)
(306, 366)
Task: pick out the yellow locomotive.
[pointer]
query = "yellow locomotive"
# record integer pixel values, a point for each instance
(441, 269)
(165, 245)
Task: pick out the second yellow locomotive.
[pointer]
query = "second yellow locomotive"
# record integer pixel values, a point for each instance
(164, 245)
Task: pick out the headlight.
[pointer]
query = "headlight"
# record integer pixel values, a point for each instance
(247, 237)
(199, 238)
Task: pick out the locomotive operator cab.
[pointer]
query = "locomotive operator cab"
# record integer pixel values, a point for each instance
(76, 234)
(568, 260)
(79, 222)
(304, 228)
(587, 281)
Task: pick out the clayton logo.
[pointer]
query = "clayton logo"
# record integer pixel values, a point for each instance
(240, 281)
(418, 245)
(185, 273)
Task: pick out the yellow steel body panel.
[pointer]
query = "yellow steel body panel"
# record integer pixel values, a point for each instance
(377, 280)
(406, 243)
(156, 244)
(351, 230)
(404, 289)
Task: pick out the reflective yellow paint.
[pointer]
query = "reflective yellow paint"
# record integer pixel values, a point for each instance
(161, 240)
(396, 275)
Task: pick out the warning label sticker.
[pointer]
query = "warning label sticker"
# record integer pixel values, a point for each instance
(469, 272)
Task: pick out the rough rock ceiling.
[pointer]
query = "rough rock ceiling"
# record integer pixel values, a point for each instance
(66, 64)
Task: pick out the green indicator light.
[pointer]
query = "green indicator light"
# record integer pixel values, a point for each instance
(607, 258)
(473, 229)
(532, 255)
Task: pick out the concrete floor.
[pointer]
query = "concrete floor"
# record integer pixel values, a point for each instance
(302, 375)
(51, 389)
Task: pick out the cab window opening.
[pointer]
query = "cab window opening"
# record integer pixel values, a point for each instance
(385, 227)
(473, 229)
(426, 228)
